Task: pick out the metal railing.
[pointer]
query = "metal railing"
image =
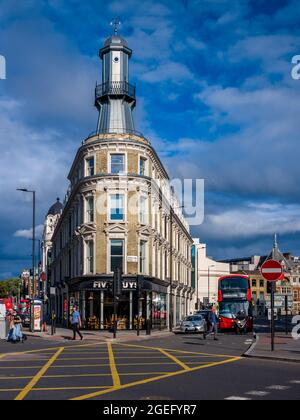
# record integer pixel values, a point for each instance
(115, 130)
(115, 88)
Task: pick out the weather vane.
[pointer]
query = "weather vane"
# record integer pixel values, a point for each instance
(116, 23)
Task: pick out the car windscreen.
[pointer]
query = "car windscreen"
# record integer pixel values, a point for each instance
(193, 318)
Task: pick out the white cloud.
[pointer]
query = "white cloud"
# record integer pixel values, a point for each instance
(272, 52)
(169, 71)
(257, 156)
(253, 220)
(27, 233)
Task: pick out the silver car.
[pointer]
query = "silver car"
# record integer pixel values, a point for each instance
(192, 324)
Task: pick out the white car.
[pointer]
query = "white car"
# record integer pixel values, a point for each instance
(192, 324)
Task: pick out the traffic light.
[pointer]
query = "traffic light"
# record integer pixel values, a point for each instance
(270, 286)
(140, 281)
(117, 282)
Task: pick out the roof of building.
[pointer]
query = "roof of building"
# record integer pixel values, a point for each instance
(55, 209)
(115, 40)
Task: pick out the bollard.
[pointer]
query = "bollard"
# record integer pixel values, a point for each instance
(53, 329)
(148, 327)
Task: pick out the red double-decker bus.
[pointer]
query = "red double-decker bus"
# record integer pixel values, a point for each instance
(234, 297)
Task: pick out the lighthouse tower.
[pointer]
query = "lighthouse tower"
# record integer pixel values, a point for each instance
(115, 97)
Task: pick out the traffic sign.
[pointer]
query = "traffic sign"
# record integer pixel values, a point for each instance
(279, 301)
(275, 314)
(271, 270)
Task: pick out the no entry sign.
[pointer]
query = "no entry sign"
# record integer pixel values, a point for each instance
(271, 270)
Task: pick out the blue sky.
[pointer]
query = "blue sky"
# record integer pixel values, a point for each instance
(215, 97)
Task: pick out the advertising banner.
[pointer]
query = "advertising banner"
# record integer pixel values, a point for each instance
(37, 317)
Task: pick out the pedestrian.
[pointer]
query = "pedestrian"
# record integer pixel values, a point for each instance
(18, 331)
(213, 320)
(76, 323)
(11, 325)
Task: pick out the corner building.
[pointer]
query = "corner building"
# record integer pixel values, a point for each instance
(120, 213)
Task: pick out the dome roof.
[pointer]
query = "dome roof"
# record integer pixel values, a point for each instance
(55, 209)
(115, 40)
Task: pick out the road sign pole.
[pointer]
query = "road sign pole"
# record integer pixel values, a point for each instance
(286, 315)
(272, 271)
(272, 318)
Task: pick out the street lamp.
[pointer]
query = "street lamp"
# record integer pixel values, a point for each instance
(38, 241)
(197, 276)
(208, 281)
(33, 235)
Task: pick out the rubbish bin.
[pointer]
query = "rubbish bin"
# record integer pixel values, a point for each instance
(3, 323)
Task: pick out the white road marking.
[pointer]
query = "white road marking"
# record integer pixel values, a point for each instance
(233, 398)
(295, 382)
(278, 387)
(258, 393)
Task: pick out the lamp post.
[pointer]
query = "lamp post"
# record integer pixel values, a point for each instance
(38, 241)
(198, 274)
(208, 281)
(33, 236)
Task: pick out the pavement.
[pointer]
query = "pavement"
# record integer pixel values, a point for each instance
(65, 334)
(286, 348)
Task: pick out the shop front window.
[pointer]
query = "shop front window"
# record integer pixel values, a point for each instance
(159, 310)
(177, 310)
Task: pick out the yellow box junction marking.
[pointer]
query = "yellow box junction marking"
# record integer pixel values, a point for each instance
(156, 378)
(38, 376)
(183, 365)
(173, 355)
(113, 367)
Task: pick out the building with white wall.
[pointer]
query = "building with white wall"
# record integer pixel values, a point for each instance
(207, 273)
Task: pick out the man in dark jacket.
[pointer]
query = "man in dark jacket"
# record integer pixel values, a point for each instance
(213, 321)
